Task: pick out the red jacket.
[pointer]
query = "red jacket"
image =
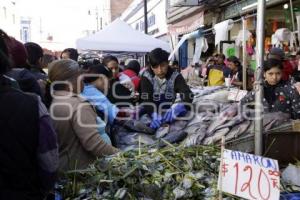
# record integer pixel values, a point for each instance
(287, 71)
(134, 78)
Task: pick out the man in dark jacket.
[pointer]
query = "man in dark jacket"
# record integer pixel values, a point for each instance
(28, 145)
(159, 86)
(35, 56)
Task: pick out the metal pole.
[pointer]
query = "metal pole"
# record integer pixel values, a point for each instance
(145, 17)
(145, 26)
(244, 54)
(292, 14)
(260, 32)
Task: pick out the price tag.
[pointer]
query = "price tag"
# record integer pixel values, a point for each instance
(249, 176)
(236, 94)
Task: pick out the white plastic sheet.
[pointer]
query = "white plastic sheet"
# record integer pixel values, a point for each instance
(221, 30)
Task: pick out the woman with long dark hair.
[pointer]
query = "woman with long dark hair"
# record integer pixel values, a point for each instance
(236, 68)
(279, 95)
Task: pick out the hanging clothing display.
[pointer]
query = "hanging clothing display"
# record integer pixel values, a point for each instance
(221, 30)
(201, 46)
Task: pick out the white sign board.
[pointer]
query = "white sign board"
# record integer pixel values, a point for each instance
(236, 94)
(249, 176)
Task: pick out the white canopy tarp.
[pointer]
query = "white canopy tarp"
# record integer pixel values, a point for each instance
(120, 37)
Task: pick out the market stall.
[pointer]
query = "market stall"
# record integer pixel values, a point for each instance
(120, 37)
(179, 160)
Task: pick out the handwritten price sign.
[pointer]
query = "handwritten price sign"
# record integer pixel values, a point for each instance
(249, 176)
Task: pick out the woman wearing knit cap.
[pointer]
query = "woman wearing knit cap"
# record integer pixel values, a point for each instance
(75, 119)
(25, 78)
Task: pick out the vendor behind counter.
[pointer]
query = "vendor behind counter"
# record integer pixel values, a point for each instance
(159, 86)
(217, 72)
(279, 95)
(236, 71)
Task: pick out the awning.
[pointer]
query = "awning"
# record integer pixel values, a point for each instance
(187, 25)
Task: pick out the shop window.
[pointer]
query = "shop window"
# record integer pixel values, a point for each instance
(142, 25)
(151, 20)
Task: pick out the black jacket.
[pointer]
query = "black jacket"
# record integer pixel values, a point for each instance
(26, 80)
(119, 94)
(180, 87)
(19, 128)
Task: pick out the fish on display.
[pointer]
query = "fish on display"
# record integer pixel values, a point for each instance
(233, 122)
(195, 138)
(271, 120)
(173, 137)
(207, 106)
(205, 91)
(238, 130)
(220, 96)
(227, 114)
(135, 138)
(200, 118)
(217, 136)
(162, 131)
(138, 126)
(178, 125)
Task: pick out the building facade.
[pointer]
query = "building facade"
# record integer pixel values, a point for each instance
(186, 16)
(108, 10)
(156, 14)
(9, 19)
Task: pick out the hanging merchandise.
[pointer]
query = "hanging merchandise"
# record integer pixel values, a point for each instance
(221, 30)
(268, 44)
(274, 25)
(185, 37)
(251, 44)
(275, 41)
(201, 46)
(293, 42)
(283, 35)
(239, 39)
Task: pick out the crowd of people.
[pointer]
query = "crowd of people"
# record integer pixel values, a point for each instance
(61, 120)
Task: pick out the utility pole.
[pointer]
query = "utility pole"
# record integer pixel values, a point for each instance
(145, 17)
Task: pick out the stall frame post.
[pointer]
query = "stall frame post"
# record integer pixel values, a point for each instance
(260, 32)
(244, 54)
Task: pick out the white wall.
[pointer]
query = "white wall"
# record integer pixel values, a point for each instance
(9, 19)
